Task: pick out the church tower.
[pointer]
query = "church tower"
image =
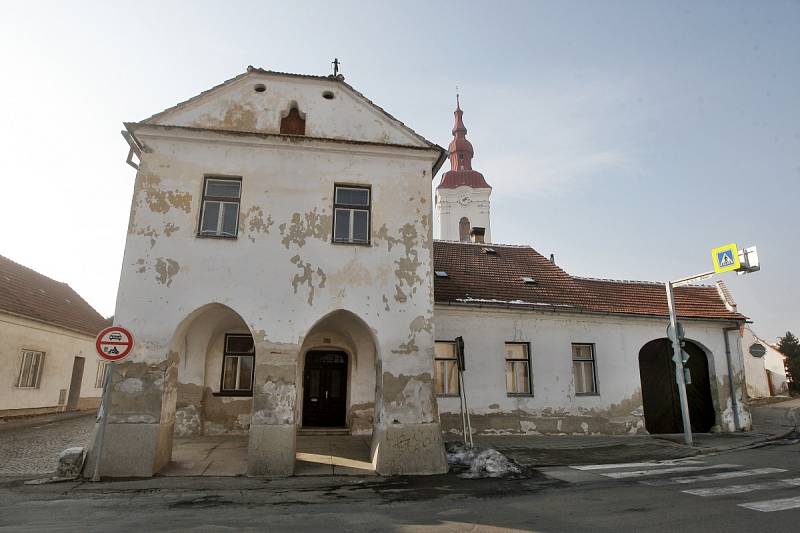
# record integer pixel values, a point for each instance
(462, 197)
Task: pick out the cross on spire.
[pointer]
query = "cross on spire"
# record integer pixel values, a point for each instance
(335, 64)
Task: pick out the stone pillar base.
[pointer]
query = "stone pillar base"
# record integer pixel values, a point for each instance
(132, 450)
(409, 449)
(271, 450)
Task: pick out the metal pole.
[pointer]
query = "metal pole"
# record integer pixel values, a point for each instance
(676, 356)
(104, 406)
(461, 401)
(466, 409)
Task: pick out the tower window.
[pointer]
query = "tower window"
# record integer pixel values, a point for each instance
(463, 229)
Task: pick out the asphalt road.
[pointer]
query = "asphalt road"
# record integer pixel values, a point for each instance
(728, 494)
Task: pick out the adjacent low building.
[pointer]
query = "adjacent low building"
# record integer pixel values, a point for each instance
(48, 361)
(765, 367)
(550, 353)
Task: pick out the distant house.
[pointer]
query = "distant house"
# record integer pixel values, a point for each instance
(764, 367)
(47, 357)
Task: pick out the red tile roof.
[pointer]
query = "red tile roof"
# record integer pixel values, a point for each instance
(27, 293)
(477, 276)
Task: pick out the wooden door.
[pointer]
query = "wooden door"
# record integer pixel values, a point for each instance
(75, 384)
(325, 389)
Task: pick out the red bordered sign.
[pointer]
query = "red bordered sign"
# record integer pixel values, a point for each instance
(114, 343)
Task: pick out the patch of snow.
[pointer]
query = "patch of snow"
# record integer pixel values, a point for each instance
(481, 463)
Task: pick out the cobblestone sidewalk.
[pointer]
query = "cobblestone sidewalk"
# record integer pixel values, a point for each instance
(32, 448)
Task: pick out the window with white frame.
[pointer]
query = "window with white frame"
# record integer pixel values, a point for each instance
(583, 369)
(237, 364)
(30, 371)
(446, 368)
(219, 214)
(351, 220)
(518, 364)
(100, 376)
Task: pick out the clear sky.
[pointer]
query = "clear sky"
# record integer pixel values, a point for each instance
(628, 138)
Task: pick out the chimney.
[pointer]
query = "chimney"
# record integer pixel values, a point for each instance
(553, 258)
(477, 234)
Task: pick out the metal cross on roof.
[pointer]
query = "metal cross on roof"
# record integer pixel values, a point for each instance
(335, 64)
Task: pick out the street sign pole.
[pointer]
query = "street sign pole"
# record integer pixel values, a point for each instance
(104, 408)
(113, 344)
(680, 376)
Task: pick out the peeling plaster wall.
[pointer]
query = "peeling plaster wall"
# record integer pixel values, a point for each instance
(554, 407)
(60, 346)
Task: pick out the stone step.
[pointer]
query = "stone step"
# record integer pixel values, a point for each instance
(306, 432)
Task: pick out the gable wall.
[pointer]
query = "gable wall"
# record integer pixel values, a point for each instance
(238, 107)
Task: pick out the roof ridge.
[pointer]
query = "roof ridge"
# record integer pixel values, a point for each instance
(636, 282)
(486, 244)
(29, 269)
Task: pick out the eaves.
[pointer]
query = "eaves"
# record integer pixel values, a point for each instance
(571, 310)
(139, 131)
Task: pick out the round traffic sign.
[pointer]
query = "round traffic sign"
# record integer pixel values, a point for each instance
(114, 343)
(757, 349)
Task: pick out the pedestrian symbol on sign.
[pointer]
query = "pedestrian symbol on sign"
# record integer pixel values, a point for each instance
(725, 258)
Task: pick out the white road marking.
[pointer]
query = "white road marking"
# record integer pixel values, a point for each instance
(768, 506)
(713, 477)
(635, 465)
(741, 489)
(659, 471)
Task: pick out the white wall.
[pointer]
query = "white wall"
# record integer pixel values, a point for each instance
(760, 370)
(617, 343)
(60, 346)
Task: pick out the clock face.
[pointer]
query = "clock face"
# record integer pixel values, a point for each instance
(464, 200)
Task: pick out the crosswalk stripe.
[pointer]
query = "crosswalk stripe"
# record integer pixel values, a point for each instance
(634, 465)
(768, 506)
(659, 471)
(741, 489)
(712, 477)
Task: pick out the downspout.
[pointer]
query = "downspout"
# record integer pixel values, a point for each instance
(737, 426)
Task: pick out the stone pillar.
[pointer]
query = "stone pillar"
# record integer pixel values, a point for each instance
(407, 438)
(141, 417)
(271, 448)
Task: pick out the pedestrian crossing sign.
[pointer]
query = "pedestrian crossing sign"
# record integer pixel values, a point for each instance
(726, 258)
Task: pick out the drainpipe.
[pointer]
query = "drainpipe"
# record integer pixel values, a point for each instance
(734, 404)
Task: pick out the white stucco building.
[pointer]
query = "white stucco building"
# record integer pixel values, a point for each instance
(277, 274)
(48, 361)
(280, 274)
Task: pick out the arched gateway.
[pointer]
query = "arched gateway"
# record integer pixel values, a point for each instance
(662, 411)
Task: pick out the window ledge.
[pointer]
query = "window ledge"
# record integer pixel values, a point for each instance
(224, 237)
(239, 394)
(587, 394)
(519, 394)
(345, 243)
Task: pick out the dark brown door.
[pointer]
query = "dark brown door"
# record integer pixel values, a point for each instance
(75, 384)
(325, 389)
(660, 400)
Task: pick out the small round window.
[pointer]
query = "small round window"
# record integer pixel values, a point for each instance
(327, 95)
(260, 88)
